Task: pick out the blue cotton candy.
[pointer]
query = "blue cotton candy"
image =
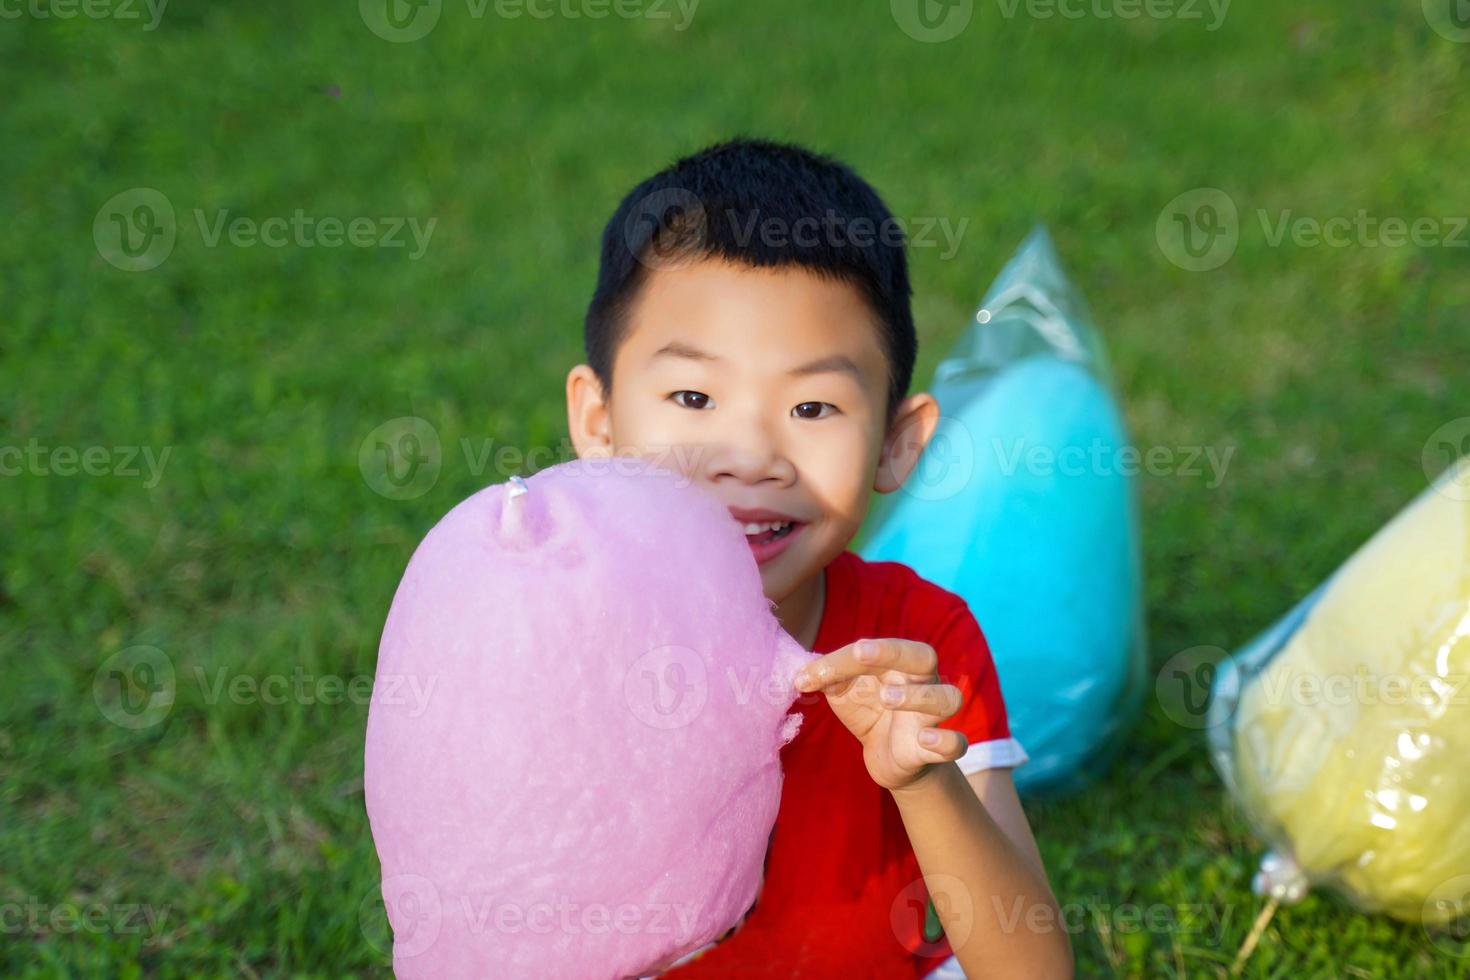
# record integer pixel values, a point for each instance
(1023, 505)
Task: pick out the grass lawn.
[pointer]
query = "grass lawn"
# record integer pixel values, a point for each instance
(230, 837)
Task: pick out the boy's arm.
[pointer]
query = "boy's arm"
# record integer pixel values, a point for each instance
(980, 865)
(984, 873)
(997, 791)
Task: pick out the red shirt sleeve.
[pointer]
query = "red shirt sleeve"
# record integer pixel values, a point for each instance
(843, 894)
(965, 661)
(945, 621)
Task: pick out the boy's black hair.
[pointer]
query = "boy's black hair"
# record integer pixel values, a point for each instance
(761, 204)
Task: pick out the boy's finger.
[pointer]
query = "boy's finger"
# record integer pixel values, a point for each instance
(868, 657)
(948, 744)
(939, 700)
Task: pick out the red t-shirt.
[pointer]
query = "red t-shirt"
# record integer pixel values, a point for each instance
(843, 895)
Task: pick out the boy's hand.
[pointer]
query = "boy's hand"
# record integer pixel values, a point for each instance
(887, 694)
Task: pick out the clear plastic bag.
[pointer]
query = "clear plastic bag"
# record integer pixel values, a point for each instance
(1344, 729)
(1024, 504)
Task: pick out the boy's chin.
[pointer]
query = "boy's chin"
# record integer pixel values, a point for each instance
(781, 578)
(777, 583)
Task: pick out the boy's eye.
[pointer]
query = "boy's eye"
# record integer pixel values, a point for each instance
(695, 399)
(813, 410)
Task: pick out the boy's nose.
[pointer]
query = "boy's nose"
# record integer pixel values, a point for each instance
(751, 460)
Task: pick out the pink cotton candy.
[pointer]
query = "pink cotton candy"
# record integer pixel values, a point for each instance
(572, 763)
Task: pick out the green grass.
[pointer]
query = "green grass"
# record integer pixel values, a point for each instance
(263, 551)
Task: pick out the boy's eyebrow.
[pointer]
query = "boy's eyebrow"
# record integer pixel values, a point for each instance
(675, 348)
(839, 363)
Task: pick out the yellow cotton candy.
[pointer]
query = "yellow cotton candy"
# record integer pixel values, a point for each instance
(1352, 744)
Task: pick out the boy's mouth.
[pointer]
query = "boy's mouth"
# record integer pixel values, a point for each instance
(767, 532)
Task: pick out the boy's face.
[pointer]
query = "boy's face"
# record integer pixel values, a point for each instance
(768, 388)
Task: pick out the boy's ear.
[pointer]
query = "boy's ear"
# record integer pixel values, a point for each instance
(913, 426)
(588, 423)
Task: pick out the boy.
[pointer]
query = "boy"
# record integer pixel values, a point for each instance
(751, 328)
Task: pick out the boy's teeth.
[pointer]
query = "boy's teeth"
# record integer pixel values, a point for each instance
(765, 526)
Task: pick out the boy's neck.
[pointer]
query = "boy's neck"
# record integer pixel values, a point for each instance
(800, 613)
